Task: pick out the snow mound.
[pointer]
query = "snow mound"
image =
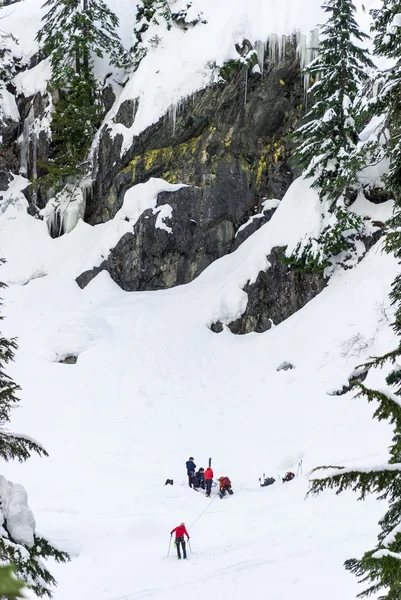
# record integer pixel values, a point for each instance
(16, 513)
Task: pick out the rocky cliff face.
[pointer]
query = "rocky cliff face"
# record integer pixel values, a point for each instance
(229, 145)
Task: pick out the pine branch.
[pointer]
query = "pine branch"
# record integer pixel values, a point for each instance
(13, 445)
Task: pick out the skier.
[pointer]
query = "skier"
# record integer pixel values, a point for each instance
(208, 481)
(191, 468)
(225, 486)
(288, 476)
(180, 531)
(199, 479)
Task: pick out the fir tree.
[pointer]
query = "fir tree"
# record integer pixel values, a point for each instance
(26, 558)
(8, 64)
(12, 446)
(73, 30)
(329, 133)
(387, 103)
(380, 568)
(147, 12)
(75, 121)
(158, 12)
(10, 587)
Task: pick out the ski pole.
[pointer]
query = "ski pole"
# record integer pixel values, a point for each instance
(169, 544)
(189, 544)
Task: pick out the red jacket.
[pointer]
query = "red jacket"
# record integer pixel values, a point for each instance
(224, 481)
(209, 473)
(180, 531)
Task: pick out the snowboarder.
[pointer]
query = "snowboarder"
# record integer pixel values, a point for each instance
(225, 486)
(288, 476)
(208, 481)
(180, 531)
(199, 479)
(191, 468)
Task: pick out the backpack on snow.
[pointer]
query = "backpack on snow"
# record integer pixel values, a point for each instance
(267, 481)
(288, 476)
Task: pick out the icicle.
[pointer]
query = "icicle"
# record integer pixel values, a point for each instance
(260, 48)
(63, 212)
(307, 51)
(34, 164)
(174, 111)
(173, 116)
(246, 87)
(24, 142)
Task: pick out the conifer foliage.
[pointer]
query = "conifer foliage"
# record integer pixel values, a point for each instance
(329, 133)
(159, 13)
(328, 136)
(75, 31)
(7, 64)
(26, 557)
(72, 31)
(387, 43)
(380, 568)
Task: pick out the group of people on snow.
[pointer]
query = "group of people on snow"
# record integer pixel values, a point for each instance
(203, 479)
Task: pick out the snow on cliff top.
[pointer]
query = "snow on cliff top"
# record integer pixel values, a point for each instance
(181, 64)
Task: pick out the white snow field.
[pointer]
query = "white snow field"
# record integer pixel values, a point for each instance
(154, 385)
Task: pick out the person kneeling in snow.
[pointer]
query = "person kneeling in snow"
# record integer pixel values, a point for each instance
(288, 476)
(225, 486)
(199, 479)
(180, 531)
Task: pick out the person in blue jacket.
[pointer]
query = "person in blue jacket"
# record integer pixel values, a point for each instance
(191, 468)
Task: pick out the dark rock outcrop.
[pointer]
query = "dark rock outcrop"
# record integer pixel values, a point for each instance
(359, 375)
(277, 294)
(228, 144)
(152, 258)
(244, 121)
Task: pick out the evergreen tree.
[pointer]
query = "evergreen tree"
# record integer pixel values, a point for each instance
(75, 121)
(328, 137)
(7, 64)
(380, 568)
(158, 12)
(10, 587)
(12, 445)
(329, 133)
(147, 12)
(387, 43)
(27, 558)
(73, 30)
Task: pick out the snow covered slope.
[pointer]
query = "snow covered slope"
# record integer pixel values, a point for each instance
(153, 386)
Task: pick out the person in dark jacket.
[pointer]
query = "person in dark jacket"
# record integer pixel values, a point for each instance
(180, 531)
(191, 468)
(199, 479)
(208, 481)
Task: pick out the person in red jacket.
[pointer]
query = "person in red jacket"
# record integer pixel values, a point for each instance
(208, 481)
(180, 531)
(225, 486)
